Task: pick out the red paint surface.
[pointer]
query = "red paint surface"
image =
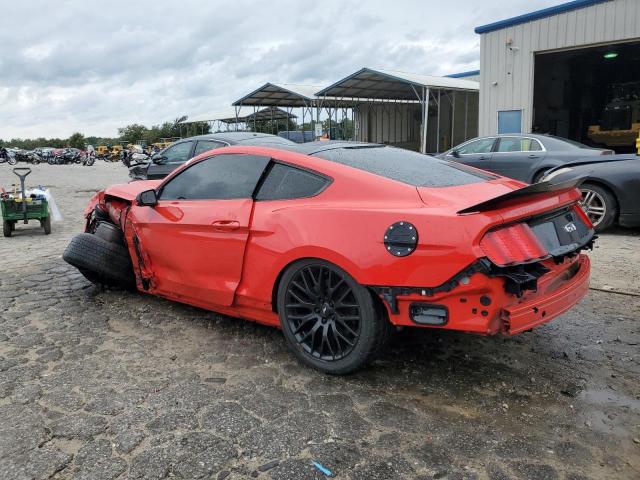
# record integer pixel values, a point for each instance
(227, 255)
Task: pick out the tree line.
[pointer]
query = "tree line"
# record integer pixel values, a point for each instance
(133, 133)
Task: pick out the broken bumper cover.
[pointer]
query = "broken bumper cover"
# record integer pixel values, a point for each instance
(556, 294)
(478, 300)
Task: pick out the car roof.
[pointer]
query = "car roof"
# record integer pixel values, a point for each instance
(545, 138)
(312, 148)
(234, 138)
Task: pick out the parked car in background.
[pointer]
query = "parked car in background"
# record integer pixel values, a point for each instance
(167, 160)
(525, 157)
(336, 242)
(611, 191)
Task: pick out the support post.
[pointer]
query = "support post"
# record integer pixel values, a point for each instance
(438, 125)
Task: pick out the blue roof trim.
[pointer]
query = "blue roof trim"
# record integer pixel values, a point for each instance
(545, 12)
(470, 73)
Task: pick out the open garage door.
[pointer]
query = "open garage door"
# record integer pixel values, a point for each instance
(591, 95)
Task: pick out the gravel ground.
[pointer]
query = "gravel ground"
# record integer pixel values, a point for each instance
(104, 384)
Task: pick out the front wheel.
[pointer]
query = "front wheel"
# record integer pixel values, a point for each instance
(46, 225)
(599, 205)
(6, 228)
(12, 160)
(330, 322)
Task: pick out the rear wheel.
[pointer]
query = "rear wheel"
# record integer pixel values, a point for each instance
(6, 228)
(330, 322)
(600, 206)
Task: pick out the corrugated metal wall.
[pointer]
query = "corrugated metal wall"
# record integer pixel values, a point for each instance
(506, 75)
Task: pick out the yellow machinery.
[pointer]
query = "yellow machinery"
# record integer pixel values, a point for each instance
(102, 150)
(115, 152)
(620, 125)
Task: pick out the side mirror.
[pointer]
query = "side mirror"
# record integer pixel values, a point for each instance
(455, 153)
(148, 198)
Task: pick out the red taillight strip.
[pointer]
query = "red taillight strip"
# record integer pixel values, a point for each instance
(583, 215)
(512, 245)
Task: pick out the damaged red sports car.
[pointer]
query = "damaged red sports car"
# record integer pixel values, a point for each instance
(338, 242)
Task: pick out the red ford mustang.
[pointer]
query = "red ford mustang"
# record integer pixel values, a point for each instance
(337, 242)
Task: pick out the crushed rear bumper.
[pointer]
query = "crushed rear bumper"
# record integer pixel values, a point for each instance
(554, 296)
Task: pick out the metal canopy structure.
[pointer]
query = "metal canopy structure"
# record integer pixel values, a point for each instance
(368, 83)
(280, 95)
(391, 93)
(288, 96)
(269, 114)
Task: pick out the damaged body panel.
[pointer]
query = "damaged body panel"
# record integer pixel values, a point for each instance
(335, 241)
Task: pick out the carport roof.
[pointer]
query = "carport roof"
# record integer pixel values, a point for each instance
(269, 113)
(280, 95)
(392, 85)
(227, 116)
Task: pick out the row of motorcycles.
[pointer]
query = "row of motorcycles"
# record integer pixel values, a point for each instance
(52, 156)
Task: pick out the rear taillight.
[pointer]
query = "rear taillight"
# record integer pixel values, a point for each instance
(512, 245)
(582, 215)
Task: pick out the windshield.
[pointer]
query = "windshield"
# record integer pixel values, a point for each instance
(405, 166)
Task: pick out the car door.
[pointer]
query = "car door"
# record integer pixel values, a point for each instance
(476, 153)
(195, 236)
(170, 159)
(517, 157)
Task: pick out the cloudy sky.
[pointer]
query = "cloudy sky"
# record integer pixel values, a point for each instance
(89, 66)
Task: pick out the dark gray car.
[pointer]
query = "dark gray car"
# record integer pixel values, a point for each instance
(611, 190)
(167, 160)
(525, 157)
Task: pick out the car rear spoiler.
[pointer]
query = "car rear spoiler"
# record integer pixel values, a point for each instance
(536, 188)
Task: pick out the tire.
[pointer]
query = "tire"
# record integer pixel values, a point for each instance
(100, 261)
(6, 228)
(350, 324)
(600, 205)
(46, 224)
(12, 161)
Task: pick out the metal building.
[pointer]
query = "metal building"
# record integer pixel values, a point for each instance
(418, 112)
(563, 70)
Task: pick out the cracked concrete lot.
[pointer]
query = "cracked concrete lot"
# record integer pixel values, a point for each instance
(117, 385)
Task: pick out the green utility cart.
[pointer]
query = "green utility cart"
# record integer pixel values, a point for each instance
(23, 208)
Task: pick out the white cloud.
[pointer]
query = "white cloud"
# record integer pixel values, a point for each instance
(93, 66)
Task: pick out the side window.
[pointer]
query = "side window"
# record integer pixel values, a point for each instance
(510, 144)
(221, 177)
(286, 182)
(204, 145)
(482, 145)
(533, 145)
(178, 153)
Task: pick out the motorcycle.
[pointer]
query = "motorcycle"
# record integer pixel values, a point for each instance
(88, 159)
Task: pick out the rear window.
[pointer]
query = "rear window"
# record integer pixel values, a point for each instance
(405, 166)
(284, 182)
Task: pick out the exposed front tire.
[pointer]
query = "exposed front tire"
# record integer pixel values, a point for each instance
(600, 205)
(330, 322)
(100, 261)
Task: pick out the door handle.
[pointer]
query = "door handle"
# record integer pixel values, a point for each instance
(534, 156)
(226, 225)
(482, 157)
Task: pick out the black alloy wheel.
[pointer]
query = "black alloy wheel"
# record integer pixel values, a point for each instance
(330, 321)
(322, 312)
